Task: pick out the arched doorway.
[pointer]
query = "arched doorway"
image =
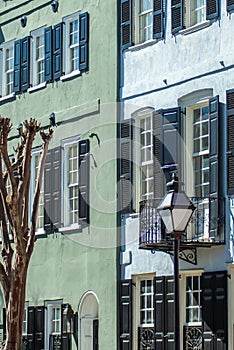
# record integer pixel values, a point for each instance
(88, 322)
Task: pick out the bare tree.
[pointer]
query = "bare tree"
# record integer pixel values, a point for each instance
(14, 220)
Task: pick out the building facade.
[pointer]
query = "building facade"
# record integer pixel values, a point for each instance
(52, 69)
(177, 70)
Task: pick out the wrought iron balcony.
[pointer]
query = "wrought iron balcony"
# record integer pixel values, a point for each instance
(204, 229)
(192, 337)
(146, 338)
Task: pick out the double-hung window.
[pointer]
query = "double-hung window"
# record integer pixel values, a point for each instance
(146, 155)
(34, 170)
(195, 12)
(38, 56)
(7, 68)
(71, 189)
(145, 20)
(53, 323)
(193, 300)
(71, 44)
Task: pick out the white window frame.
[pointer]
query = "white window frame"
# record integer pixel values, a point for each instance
(49, 306)
(66, 144)
(3, 74)
(36, 153)
(193, 307)
(138, 14)
(25, 321)
(36, 84)
(191, 10)
(67, 48)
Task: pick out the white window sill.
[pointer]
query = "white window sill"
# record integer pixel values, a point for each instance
(37, 87)
(142, 45)
(73, 74)
(193, 324)
(134, 215)
(195, 28)
(40, 232)
(70, 229)
(7, 97)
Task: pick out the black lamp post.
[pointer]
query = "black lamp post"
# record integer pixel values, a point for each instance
(176, 210)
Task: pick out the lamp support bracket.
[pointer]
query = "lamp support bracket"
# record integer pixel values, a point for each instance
(187, 254)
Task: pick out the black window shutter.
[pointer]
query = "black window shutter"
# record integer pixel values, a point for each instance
(58, 50)
(126, 314)
(4, 322)
(39, 325)
(30, 325)
(158, 20)
(230, 5)
(126, 25)
(230, 141)
(212, 9)
(65, 336)
(84, 41)
(214, 204)
(17, 66)
(177, 15)
(84, 180)
(52, 191)
(48, 36)
(163, 312)
(214, 297)
(25, 63)
(126, 169)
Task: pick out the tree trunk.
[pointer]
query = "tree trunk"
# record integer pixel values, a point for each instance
(16, 305)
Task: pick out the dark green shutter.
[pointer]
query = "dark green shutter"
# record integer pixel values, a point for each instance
(158, 20)
(39, 314)
(230, 5)
(25, 63)
(126, 24)
(126, 314)
(164, 310)
(58, 50)
(17, 66)
(65, 336)
(214, 309)
(31, 327)
(212, 9)
(52, 191)
(230, 141)
(48, 35)
(84, 41)
(159, 180)
(84, 167)
(126, 170)
(177, 15)
(95, 335)
(214, 139)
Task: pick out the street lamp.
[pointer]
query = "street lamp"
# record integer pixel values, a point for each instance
(176, 210)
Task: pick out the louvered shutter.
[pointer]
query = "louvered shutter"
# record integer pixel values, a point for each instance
(84, 41)
(4, 322)
(169, 312)
(177, 15)
(48, 37)
(25, 63)
(30, 327)
(126, 25)
(58, 50)
(230, 5)
(126, 314)
(1, 72)
(214, 204)
(17, 66)
(159, 180)
(84, 167)
(214, 297)
(52, 191)
(65, 336)
(39, 314)
(158, 20)
(212, 9)
(230, 141)
(126, 169)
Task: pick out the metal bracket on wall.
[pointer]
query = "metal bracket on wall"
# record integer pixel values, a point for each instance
(187, 254)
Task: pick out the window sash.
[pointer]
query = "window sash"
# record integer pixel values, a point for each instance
(7, 69)
(193, 299)
(196, 12)
(146, 297)
(71, 44)
(38, 57)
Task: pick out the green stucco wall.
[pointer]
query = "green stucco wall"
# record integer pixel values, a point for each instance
(66, 266)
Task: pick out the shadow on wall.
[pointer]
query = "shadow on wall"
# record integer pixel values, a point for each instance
(1, 36)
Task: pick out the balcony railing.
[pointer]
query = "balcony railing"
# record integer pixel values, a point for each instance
(146, 338)
(203, 229)
(192, 338)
